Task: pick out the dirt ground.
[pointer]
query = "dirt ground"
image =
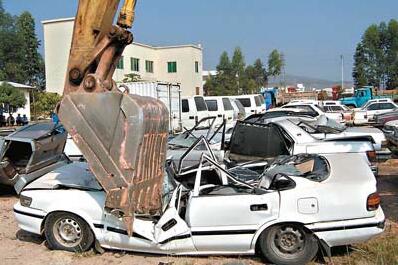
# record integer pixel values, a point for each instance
(19, 247)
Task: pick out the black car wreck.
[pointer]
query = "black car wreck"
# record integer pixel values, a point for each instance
(30, 152)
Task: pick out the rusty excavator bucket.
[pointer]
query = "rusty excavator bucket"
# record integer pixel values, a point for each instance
(122, 136)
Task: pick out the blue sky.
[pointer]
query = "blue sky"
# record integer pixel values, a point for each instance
(311, 33)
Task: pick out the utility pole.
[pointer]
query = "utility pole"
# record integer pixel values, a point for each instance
(342, 72)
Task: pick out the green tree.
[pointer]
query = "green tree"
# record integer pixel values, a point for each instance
(376, 56)
(392, 54)
(359, 71)
(225, 81)
(10, 48)
(276, 62)
(238, 68)
(11, 96)
(31, 61)
(45, 103)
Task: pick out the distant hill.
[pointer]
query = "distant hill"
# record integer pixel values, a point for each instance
(308, 82)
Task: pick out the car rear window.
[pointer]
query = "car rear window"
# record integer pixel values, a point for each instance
(211, 105)
(386, 106)
(227, 104)
(200, 104)
(184, 105)
(258, 101)
(245, 102)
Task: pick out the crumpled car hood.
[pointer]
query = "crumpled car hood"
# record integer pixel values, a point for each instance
(74, 175)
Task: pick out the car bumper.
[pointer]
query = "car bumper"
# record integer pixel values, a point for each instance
(29, 219)
(383, 154)
(348, 232)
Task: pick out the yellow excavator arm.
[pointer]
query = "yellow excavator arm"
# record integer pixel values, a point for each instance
(122, 136)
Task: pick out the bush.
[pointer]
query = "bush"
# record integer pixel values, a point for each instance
(44, 103)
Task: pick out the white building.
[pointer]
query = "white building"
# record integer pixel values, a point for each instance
(181, 64)
(26, 91)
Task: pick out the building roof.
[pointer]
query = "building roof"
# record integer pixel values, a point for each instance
(71, 19)
(17, 85)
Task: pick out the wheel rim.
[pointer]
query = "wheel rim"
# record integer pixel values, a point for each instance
(68, 232)
(288, 241)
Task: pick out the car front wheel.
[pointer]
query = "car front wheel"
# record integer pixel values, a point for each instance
(288, 244)
(69, 232)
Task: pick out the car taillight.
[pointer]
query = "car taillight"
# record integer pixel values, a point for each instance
(384, 143)
(373, 202)
(371, 156)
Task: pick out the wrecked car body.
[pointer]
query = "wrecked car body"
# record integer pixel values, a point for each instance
(390, 129)
(326, 129)
(383, 118)
(31, 152)
(214, 134)
(213, 211)
(257, 141)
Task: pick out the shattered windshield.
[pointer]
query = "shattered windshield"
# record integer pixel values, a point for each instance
(309, 166)
(325, 125)
(205, 127)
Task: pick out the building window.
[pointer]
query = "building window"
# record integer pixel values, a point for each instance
(196, 67)
(120, 64)
(135, 64)
(197, 90)
(149, 66)
(172, 67)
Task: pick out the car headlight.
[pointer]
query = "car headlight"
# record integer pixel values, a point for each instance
(25, 201)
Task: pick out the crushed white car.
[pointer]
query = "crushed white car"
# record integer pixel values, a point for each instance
(296, 205)
(282, 136)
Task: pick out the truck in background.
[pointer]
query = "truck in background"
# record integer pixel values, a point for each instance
(168, 93)
(363, 94)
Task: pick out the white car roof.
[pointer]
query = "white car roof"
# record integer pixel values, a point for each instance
(378, 100)
(331, 103)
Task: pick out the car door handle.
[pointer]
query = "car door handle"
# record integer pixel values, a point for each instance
(168, 225)
(191, 117)
(220, 116)
(258, 207)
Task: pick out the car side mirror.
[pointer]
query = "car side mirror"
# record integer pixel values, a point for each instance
(282, 182)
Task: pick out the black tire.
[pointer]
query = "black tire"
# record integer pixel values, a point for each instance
(67, 231)
(288, 244)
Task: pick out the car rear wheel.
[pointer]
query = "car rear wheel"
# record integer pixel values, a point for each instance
(69, 232)
(288, 244)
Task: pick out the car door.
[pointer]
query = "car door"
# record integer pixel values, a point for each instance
(372, 110)
(170, 234)
(227, 220)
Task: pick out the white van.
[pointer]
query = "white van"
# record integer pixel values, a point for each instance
(221, 108)
(253, 104)
(193, 109)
